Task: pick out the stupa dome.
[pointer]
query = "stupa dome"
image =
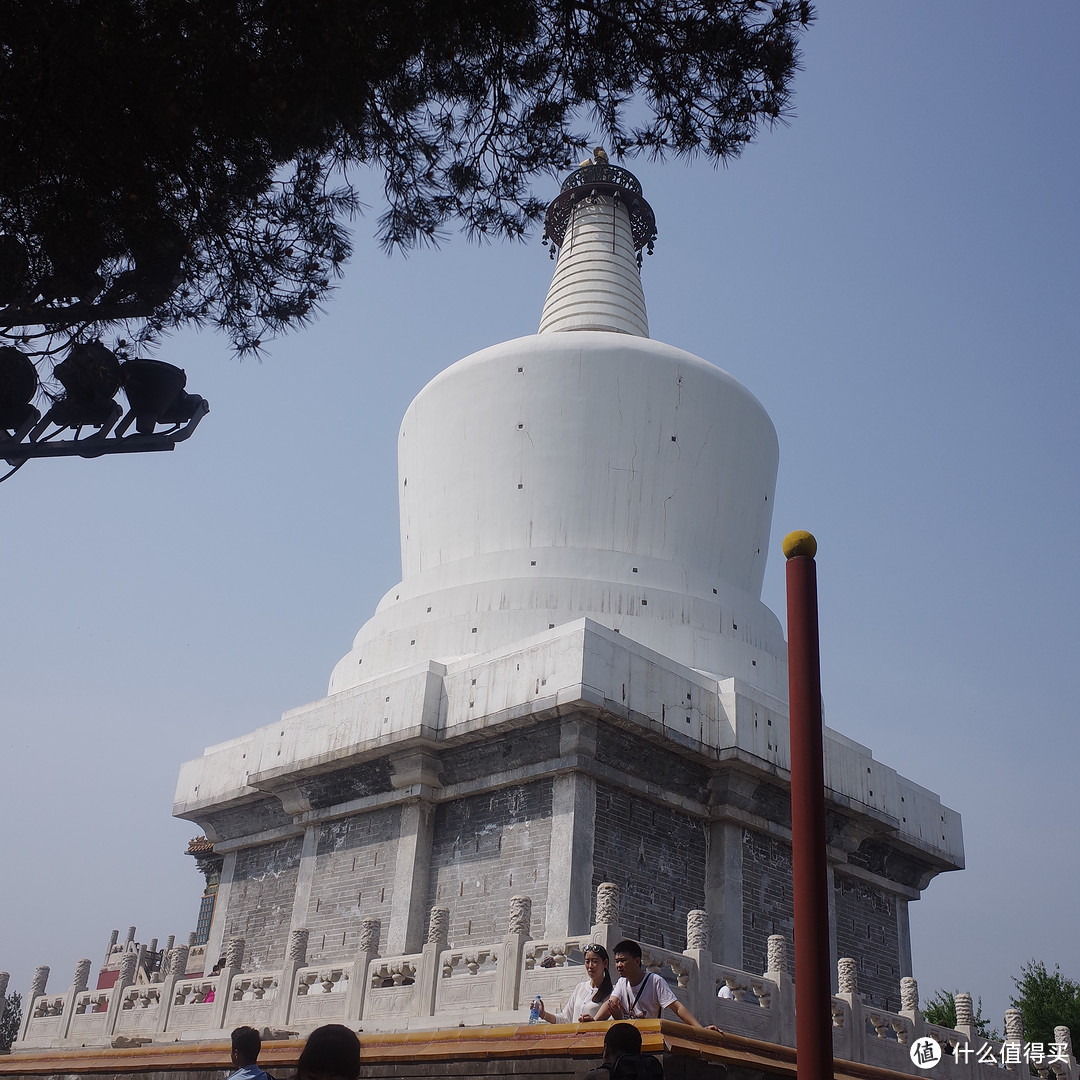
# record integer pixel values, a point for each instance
(585, 470)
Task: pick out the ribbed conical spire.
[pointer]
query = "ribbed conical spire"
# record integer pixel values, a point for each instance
(599, 223)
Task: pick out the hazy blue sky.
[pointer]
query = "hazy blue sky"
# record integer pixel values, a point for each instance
(894, 275)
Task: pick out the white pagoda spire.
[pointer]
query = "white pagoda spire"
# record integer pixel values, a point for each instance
(599, 223)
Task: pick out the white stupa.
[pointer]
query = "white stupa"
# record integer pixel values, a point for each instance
(576, 681)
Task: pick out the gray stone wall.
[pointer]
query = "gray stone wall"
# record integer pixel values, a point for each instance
(485, 849)
(866, 929)
(495, 754)
(627, 752)
(768, 901)
(247, 820)
(354, 782)
(657, 856)
(261, 901)
(354, 877)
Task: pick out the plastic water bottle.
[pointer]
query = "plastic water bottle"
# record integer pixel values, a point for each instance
(534, 1011)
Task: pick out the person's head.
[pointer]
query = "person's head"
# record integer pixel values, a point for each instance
(331, 1052)
(621, 1039)
(246, 1044)
(628, 961)
(596, 966)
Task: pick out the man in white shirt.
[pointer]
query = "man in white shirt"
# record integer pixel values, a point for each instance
(639, 994)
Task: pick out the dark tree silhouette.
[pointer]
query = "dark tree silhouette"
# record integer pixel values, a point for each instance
(165, 162)
(9, 1023)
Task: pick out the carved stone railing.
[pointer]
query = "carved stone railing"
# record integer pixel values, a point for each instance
(879, 1037)
(90, 1014)
(467, 978)
(322, 980)
(393, 987)
(554, 953)
(253, 999)
(750, 1008)
(190, 992)
(494, 981)
(48, 1005)
(671, 966)
(141, 1009)
(887, 1025)
(753, 990)
(320, 994)
(47, 1019)
(395, 972)
(260, 987)
(474, 961)
(551, 969)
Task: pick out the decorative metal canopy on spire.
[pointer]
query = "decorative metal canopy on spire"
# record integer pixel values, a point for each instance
(595, 178)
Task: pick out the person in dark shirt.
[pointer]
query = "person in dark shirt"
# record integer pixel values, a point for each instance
(332, 1052)
(623, 1057)
(246, 1044)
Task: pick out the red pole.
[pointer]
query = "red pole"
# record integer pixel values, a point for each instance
(813, 1000)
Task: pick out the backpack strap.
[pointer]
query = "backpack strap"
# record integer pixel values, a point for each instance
(637, 997)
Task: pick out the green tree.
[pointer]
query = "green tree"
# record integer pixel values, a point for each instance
(1046, 1000)
(9, 1024)
(170, 162)
(941, 1010)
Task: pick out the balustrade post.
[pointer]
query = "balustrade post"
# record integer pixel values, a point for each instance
(359, 980)
(150, 956)
(37, 988)
(701, 986)
(606, 930)
(783, 998)
(847, 979)
(909, 1006)
(174, 968)
(170, 941)
(234, 963)
(295, 959)
(508, 970)
(429, 968)
(80, 981)
(1063, 1037)
(126, 978)
(113, 938)
(965, 1016)
(1014, 1033)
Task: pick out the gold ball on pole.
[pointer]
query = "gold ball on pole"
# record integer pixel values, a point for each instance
(799, 542)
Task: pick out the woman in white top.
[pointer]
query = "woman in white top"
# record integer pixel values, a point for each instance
(589, 994)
